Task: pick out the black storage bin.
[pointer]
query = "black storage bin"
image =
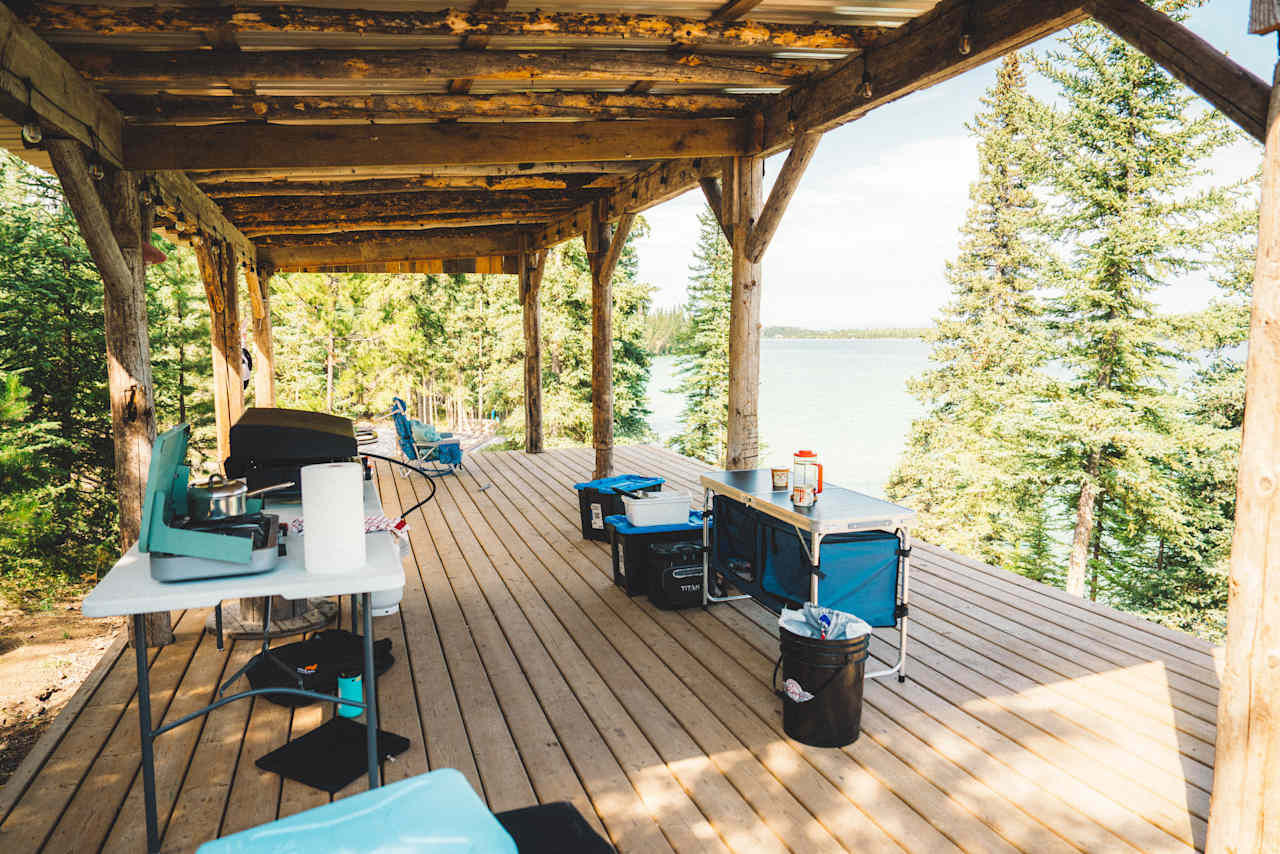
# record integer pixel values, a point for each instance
(600, 499)
(675, 574)
(832, 671)
(633, 552)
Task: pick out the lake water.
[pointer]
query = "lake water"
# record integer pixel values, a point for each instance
(846, 399)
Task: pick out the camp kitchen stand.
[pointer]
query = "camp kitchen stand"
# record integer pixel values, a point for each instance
(837, 511)
(129, 590)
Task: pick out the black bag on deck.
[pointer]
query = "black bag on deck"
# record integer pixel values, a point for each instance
(315, 662)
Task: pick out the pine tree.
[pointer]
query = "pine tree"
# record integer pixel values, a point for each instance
(703, 359)
(1125, 150)
(966, 468)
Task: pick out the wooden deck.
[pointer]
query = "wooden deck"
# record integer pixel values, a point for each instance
(1031, 721)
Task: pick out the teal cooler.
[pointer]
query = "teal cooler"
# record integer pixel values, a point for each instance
(663, 561)
(599, 499)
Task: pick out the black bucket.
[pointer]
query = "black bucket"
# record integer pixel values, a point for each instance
(830, 670)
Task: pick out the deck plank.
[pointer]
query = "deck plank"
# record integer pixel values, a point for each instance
(1031, 723)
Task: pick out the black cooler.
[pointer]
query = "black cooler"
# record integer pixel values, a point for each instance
(270, 446)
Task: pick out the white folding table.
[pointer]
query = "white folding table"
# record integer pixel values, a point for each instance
(837, 511)
(129, 590)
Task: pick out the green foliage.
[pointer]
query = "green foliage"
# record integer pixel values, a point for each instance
(665, 329)
(703, 360)
(1074, 432)
(968, 467)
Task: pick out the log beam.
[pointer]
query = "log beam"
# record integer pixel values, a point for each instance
(188, 210)
(218, 269)
(115, 222)
(242, 71)
(924, 51)
(258, 283)
(744, 182)
(257, 146)
(490, 171)
(426, 222)
(343, 207)
(780, 196)
(532, 265)
(301, 253)
(53, 18)
(563, 184)
(1241, 95)
(646, 188)
(36, 82)
(174, 109)
(1245, 813)
(508, 265)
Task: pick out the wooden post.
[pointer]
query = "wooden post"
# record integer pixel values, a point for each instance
(218, 268)
(257, 281)
(743, 188)
(531, 267)
(1245, 812)
(115, 221)
(597, 241)
(604, 248)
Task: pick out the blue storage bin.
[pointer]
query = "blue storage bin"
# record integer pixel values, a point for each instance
(600, 498)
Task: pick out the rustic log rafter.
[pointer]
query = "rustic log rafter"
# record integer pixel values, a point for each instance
(524, 106)
(243, 70)
(484, 21)
(496, 187)
(282, 147)
(329, 250)
(189, 212)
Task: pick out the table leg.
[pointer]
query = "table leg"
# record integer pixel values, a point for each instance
(144, 730)
(370, 692)
(217, 615)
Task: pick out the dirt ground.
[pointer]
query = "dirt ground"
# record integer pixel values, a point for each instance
(44, 656)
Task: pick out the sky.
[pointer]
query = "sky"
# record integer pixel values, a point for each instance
(877, 215)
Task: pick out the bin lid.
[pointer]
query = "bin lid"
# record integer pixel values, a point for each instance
(624, 527)
(621, 482)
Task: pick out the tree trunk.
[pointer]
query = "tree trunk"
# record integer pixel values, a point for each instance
(744, 192)
(1085, 508)
(1245, 813)
(328, 374)
(114, 223)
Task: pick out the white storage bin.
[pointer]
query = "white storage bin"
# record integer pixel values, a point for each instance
(657, 508)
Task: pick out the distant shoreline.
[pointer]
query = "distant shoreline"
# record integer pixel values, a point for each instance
(799, 333)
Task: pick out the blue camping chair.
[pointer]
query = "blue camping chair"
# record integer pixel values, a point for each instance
(432, 453)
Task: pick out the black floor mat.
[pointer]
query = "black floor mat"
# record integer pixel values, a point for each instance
(331, 755)
(556, 828)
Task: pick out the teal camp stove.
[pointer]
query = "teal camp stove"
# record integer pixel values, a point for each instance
(185, 549)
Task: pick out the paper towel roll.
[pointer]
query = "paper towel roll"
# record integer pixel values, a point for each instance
(333, 517)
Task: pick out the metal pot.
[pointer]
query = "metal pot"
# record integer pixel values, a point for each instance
(219, 498)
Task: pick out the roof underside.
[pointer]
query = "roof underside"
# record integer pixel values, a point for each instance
(332, 135)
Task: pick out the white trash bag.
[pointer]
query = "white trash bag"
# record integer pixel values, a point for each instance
(815, 621)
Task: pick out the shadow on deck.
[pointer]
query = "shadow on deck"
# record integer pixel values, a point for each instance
(1031, 721)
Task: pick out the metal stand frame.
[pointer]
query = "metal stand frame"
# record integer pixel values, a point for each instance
(707, 598)
(149, 735)
(812, 550)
